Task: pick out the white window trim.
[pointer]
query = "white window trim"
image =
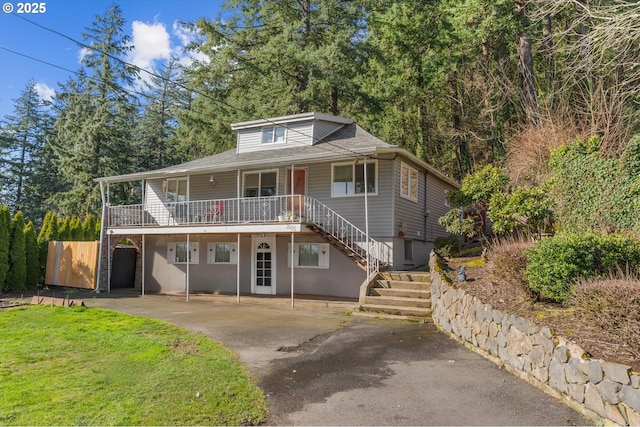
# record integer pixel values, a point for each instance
(211, 252)
(353, 171)
(323, 258)
(260, 172)
(195, 253)
(166, 185)
(273, 130)
(410, 170)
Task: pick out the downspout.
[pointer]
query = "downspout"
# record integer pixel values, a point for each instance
(103, 224)
(426, 208)
(292, 238)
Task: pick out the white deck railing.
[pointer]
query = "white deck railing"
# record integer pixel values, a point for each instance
(262, 210)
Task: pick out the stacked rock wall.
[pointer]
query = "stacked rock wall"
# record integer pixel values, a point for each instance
(596, 388)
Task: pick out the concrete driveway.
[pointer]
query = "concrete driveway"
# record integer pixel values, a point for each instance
(319, 366)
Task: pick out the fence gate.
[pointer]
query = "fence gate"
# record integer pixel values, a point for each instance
(123, 268)
(72, 264)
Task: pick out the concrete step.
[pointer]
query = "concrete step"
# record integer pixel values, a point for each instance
(400, 284)
(377, 315)
(398, 301)
(407, 276)
(399, 292)
(396, 310)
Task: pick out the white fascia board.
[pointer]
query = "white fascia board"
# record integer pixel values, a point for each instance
(295, 118)
(211, 229)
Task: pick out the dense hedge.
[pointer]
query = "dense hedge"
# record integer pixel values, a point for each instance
(592, 192)
(556, 263)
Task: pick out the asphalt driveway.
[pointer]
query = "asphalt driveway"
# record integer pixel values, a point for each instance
(319, 366)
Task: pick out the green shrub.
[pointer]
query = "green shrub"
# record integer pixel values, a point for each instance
(33, 256)
(558, 262)
(5, 236)
(448, 245)
(17, 256)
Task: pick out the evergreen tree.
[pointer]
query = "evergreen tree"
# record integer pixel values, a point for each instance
(32, 257)
(157, 128)
(48, 232)
(17, 273)
(22, 139)
(96, 118)
(89, 227)
(5, 239)
(75, 229)
(270, 58)
(64, 230)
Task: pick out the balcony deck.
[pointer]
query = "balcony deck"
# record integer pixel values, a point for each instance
(250, 210)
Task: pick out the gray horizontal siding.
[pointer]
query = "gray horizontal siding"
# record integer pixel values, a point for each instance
(436, 203)
(297, 134)
(352, 207)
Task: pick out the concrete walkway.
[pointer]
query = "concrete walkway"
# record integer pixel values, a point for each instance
(319, 366)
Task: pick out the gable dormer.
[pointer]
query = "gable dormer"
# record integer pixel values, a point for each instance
(286, 131)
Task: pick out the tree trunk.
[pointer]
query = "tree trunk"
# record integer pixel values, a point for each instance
(529, 97)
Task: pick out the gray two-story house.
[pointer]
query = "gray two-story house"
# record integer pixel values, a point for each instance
(305, 204)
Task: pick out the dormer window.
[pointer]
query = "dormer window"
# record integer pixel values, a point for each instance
(273, 134)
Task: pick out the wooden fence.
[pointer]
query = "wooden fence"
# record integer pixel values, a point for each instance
(72, 264)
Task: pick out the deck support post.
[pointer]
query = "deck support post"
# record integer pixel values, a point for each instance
(292, 264)
(188, 263)
(142, 261)
(238, 269)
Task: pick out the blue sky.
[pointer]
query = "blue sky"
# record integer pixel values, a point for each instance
(152, 24)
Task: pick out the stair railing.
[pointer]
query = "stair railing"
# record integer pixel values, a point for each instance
(374, 252)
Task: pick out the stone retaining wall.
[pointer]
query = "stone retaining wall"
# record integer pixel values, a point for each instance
(596, 388)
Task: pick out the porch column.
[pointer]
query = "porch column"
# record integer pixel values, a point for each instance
(142, 260)
(292, 264)
(238, 269)
(366, 215)
(188, 262)
(103, 225)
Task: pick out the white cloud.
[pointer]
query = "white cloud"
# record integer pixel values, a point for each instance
(83, 53)
(44, 92)
(151, 43)
(186, 36)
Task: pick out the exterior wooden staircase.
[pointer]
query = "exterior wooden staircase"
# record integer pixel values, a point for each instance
(397, 295)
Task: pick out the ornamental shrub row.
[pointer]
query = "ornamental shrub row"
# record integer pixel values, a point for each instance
(18, 252)
(557, 263)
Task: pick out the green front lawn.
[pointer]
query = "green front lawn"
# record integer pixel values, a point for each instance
(81, 366)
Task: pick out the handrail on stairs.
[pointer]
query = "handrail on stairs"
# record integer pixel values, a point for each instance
(376, 253)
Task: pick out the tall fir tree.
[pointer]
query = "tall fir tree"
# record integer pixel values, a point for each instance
(23, 138)
(270, 58)
(97, 118)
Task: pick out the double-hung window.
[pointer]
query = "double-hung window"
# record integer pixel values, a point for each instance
(260, 184)
(181, 253)
(222, 253)
(347, 179)
(408, 182)
(310, 255)
(273, 134)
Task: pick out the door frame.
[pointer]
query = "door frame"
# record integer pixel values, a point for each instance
(255, 241)
(296, 208)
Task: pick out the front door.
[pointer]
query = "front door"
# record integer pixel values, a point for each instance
(299, 187)
(263, 272)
